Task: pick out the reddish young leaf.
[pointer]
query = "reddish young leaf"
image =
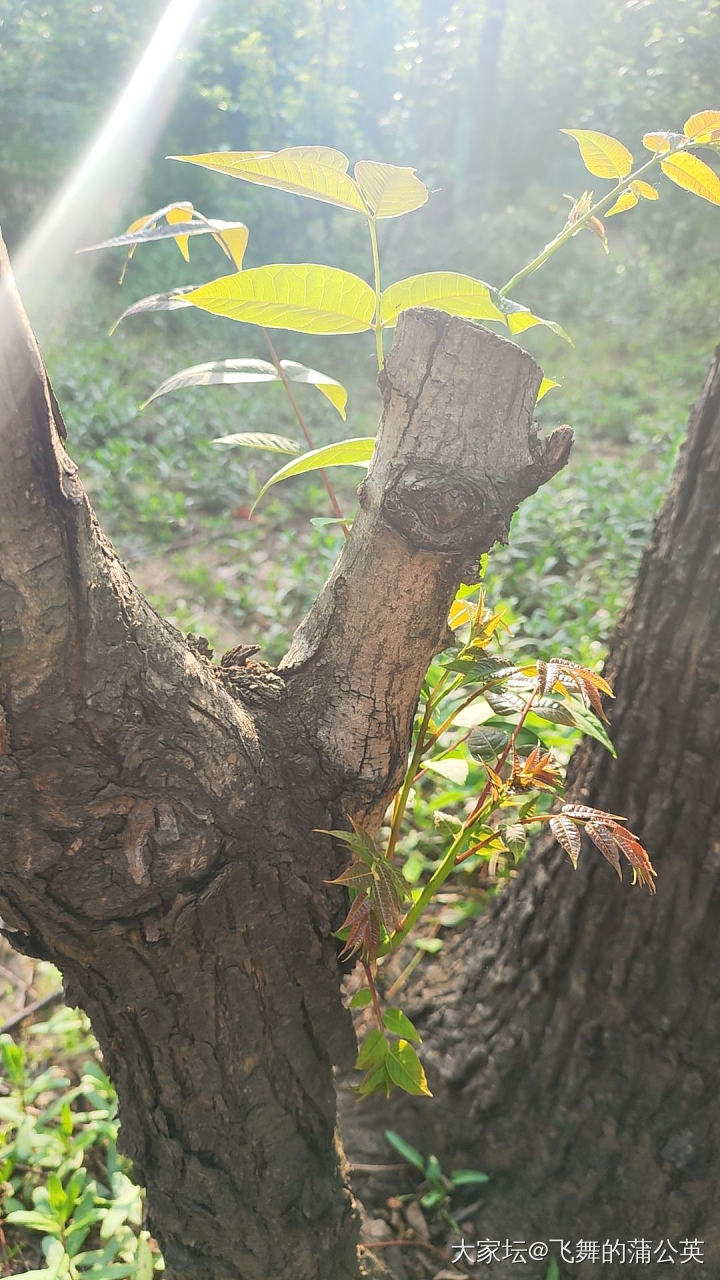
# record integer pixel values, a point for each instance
(358, 920)
(637, 855)
(567, 836)
(586, 814)
(602, 838)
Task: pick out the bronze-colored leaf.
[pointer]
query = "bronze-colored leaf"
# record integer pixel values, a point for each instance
(602, 838)
(637, 855)
(587, 814)
(567, 836)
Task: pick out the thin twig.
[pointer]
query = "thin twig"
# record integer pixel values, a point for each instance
(31, 1009)
(303, 427)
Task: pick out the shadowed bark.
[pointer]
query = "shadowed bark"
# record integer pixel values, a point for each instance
(160, 815)
(572, 1034)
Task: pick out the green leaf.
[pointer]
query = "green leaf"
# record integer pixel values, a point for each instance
(175, 300)
(399, 1024)
(450, 767)
(592, 727)
(433, 1198)
(260, 440)
(375, 1080)
(431, 945)
(317, 172)
(546, 385)
(355, 453)
(373, 1050)
(487, 744)
(602, 155)
(446, 824)
(691, 173)
(216, 372)
(405, 1069)
(305, 297)
(445, 290)
(627, 200)
(388, 190)
(145, 1260)
(34, 1221)
(404, 1149)
(334, 391)
(519, 318)
(231, 236)
(552, 1272)
(251, 370)
(361, 999)
(322, 522)
(361, 843)
(467, 1177)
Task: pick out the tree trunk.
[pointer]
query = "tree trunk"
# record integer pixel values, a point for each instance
(573, 1033)
(162, 819)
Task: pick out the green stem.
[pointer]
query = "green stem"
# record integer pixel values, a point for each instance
(435, 882)
(571, 228)
(402, 795)
(373, 992)
(510, 744)
(303, 426)
(446, 724)
(376, 269)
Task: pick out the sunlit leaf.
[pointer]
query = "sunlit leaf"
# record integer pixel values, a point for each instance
(546, 385)
(644, 189)
(334, 391)
(519, 318)
(305, 297)
(317, 172)
(175, 300)
(658, 142)
(627, 200)
(260, 440)
(180, 230)
(691, 173)
(702, 125)
(602, 155)
(176, 215)
(453, 769)
(356, 453)
(446, 290)
(252, 370)
(389, 190)
(405, 1069)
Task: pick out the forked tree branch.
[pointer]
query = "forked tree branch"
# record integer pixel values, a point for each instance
(457, 451)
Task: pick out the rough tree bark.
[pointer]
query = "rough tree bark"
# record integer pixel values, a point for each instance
(573, 1034)
(160, 815)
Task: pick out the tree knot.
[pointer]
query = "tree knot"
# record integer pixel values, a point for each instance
(440, 508)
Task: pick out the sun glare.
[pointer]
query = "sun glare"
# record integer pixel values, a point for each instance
(113, 164)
